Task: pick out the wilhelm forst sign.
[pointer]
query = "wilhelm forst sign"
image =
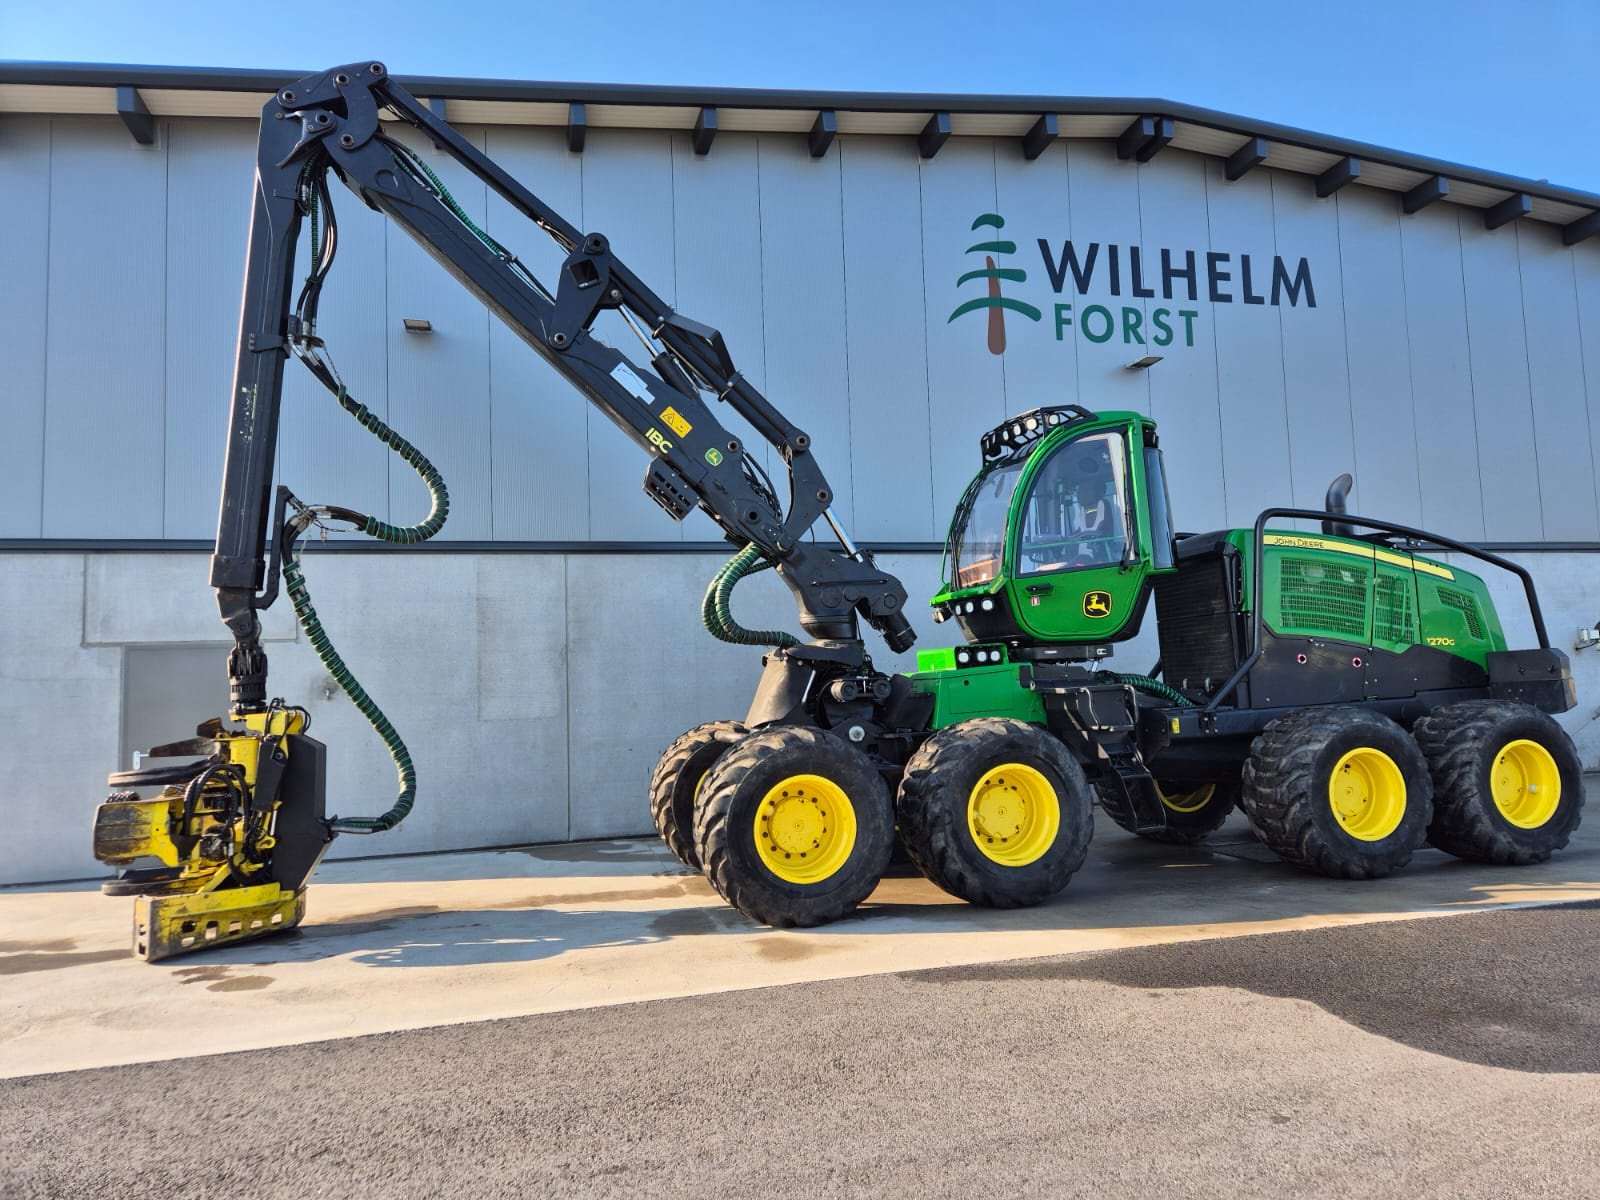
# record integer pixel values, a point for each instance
(1178, 277)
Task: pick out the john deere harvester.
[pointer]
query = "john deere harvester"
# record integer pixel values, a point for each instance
(1354, 697)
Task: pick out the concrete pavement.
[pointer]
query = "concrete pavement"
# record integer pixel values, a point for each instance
(1447, 1060)
(408, 943)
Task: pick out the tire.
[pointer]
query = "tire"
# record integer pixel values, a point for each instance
(1193, 813)
(964, 781)
(1340, 791)
(1484, 755)
(794, 826)
(677, 778)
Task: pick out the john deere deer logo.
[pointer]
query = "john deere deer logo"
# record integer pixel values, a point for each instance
(994, 301)
(1097, 604)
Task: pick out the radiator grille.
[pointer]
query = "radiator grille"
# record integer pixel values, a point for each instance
(1393, 612)
(1467, 605)
(1195, 619)
(1323, 599)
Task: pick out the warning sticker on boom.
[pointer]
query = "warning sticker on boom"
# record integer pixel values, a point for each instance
(673, 420)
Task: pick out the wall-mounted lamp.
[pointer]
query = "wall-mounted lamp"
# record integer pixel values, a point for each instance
(417, 324)
(1143, 364)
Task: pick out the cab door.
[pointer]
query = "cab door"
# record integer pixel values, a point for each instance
(1074, 561)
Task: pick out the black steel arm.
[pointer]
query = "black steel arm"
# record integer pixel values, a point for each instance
(331, 122)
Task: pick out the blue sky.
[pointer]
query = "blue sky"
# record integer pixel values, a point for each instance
(1508, 85)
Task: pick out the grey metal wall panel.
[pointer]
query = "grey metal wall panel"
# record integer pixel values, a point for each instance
(1378, 355)
(1105, 209)
(439, 381)
(1498, 351)
(716, 205)
(1561, 414)
(966, 381)
(618, 732)
(1183, 386)
(209, 169)
(1256, 447)
(103, 442)
(1441, 374)
(24, 268)
(324, 456)
(627, 195)
(887, 335)
(1586, 270)
(835, 281)
(802, 286)
(1040, 365)
(538, 427)
(1316, 382)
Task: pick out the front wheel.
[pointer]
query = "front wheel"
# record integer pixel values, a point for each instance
(996, 811)
(794, 826)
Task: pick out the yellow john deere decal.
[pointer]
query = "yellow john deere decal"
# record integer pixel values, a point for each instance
(674, 421)
(1301, 542)
(1097, 604)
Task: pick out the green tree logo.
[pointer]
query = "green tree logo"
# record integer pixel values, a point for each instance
(994, 302)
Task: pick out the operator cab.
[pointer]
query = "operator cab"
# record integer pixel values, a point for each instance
(1056, 539)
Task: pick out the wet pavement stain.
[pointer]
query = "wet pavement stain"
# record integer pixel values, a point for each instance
(209, 974)
(28, 962)
(50, 947)
(591, 852)
(216, 977)
(686, 922)
(666, 891)
(242, 983)
(789, 948)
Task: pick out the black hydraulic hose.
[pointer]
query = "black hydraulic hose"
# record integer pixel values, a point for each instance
(716, 610)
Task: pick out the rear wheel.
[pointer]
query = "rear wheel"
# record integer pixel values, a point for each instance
(1508, 786)
(1340, 791)
(995, 811)
(1194, 811)
(676, 781)
(794, 826)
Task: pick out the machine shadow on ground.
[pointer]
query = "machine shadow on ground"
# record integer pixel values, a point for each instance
(1129, 891)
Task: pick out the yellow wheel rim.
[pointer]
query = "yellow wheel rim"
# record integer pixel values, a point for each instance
(1525, 783)
(805, 829)
(1187, 802)
(1014, 815)
(1368, 794)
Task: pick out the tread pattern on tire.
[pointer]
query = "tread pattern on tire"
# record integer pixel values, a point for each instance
(941, 845)
(665, 809)
(1457, 740)
(731, 867)
(1183, 829)
(1284, 794)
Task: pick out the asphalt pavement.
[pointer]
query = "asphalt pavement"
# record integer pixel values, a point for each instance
(1421, 1058)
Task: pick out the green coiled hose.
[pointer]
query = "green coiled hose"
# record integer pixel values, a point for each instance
(716, 610)
(1143, 683)
(317, 636)
(323, 645)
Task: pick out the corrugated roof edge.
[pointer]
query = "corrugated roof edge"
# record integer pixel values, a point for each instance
(459, 88)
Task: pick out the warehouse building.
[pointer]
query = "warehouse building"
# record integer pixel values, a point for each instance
(896, 273)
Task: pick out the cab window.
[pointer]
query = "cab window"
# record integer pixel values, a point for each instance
(1075, 514)
(977, 548)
